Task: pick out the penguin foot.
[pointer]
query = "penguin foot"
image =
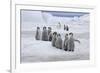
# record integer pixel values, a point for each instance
(65, 49)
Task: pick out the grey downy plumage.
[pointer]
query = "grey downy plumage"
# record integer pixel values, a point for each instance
(58, 42)
(71, 44)
(38, 33)
(65, 45)
(54, 37)
(50, 36)
(45, 35)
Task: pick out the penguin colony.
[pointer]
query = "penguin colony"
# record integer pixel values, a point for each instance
(47, 35)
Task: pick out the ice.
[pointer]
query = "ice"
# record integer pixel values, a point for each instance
(38, 51)
(32, 19)
(42, 51)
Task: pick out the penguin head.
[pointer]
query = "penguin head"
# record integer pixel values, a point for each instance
(66, 36)
(58, 35)
(71, 34)
(49, 28)
(38, 27)
(55, 33)
(44, 28)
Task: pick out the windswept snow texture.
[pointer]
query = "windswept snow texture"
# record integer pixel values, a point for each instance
(42, 51)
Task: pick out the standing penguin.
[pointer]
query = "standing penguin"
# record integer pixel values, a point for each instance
(49, 34)
(67, 28)
(58, 42)
(59, 25)
(65, 45)
(49, 30)
(44, 34)
(71, 44)
(54, 37)
(37, 36)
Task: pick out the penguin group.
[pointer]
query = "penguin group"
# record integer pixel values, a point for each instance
(46, 34)
(68, 44)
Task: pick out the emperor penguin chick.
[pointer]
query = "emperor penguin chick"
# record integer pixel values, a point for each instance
(58, 42)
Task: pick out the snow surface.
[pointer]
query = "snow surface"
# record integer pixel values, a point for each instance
(42, 51)
(32, 19)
